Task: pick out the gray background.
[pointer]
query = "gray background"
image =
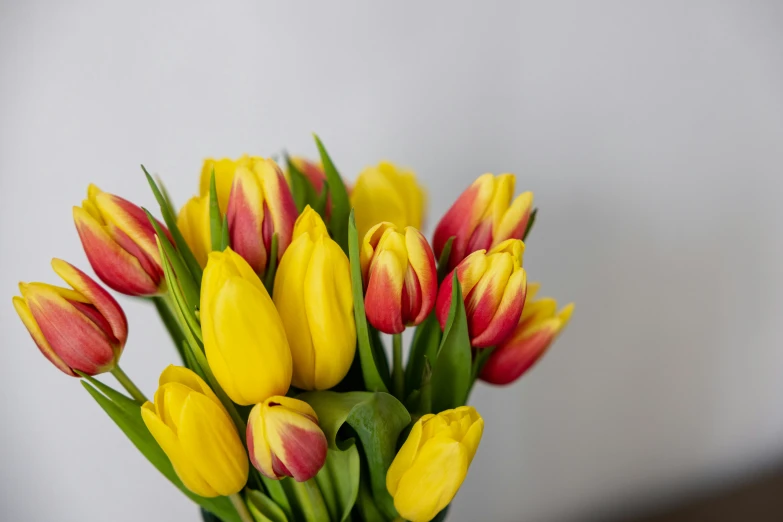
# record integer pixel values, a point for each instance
(650, 133)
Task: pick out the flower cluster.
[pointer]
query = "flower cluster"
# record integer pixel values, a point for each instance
(276, 288)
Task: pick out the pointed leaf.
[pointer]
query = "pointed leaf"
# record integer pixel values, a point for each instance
(530, 221)
(339, 481)
(426, 340)
(341, 205)
(271, 269)
(451, 372)
(215, 220)
(264, 508)
(302, 190)
(443, 260)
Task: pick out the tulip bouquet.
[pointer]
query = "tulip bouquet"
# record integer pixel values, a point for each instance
(278, 290)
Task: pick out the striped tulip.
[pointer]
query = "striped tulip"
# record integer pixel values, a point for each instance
(193, 222)
(194, 430)
(387, 193)
(120, 243)
(399, 274)
(260, 206)
(313, 295)
(493, 287)
(78, 328)
(284, 439)
(538, 327)
(483, 217)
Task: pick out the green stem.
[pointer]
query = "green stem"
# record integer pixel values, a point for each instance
(398, 373)
(127, 383)
(241, 508)
(164, 306)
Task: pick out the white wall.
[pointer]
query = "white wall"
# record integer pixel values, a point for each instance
(651, 134)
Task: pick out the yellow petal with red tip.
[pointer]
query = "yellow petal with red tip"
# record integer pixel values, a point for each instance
(245, 217)
(40, 340)
(225, 169)
(513, 223)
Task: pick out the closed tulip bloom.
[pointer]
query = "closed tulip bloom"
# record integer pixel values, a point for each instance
(225, 169)
(483, 217)
(244, 338)
(193, 221)
(313, 294)
(433, 462)
(120, 243)
(78, 328)
(399, 275)
(387, 193)
(194, 430)
(538, 327)
(260, 206)
(284, 439)
(493, 287)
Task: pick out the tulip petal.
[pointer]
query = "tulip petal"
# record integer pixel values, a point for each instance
(188, 378)
(280, 202)
(484, 299)
(329, 308)
(170, 445)
(116, 267)
(97, 296)
(210, 440)
(245, 216)
(224, 177)
(422, 263)
(40, 340)
(243, 316)
(193, 222)
(433, 480)
(507, 313)
(405, 457)
(384, 293)
(298, 445)
(514, 222)
(380, 194)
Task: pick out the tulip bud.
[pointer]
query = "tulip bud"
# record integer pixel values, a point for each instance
(493, 287)
(538, 327)
(483, 217)
(260, 206)
(195, 431)
(433, 462)
(400, 277)
(193, 222)
(224, 169)
(82, 328)
(284, 440)
(387, 193)
(313, 294)
(244, 338)
(120, 243)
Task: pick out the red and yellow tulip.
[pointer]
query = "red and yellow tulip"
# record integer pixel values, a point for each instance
(78, 328)
(260, 206)
(120, 243)
(493, 288)
(399, 275)
(538, 327)
(284, 439)
(483, 217)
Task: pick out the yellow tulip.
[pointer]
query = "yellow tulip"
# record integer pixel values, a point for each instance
(193, 222)
(194, 430)
(432, 464)
(387, 193)
(313, 295)
(244, 338)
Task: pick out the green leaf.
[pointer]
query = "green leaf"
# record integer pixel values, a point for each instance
(339, 481)
(309, 505)
(271, 265)
(443, 260)
(451, 372)
(377, 419)
(225, 242)
(302, 190)
(426, 340)
(372, 378)
(341, 205)
(365, 505)
(530, 222)
(379, 354)
(278, 495)
(170, 218)
(215, 220)
(185, 311)
(263, 508)
(126, 414)
(319, 205)
(183, 277)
